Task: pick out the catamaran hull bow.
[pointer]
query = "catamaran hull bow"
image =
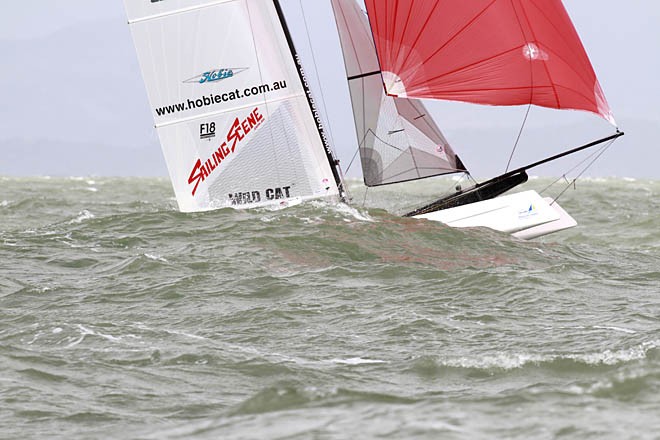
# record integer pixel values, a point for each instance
(526, 215)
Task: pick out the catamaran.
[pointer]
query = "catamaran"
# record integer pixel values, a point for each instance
(239, 126)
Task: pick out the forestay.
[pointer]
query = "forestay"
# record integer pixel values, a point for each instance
(398, 139)
(233, 114)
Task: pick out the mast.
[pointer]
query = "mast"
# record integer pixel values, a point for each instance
(334, 163)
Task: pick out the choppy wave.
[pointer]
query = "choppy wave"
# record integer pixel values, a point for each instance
(123, 318)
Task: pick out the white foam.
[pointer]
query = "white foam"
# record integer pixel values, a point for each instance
(510, 361)
(84, 332)
(156, 258)
(609, 357)
(357, 361)
(82, 216)
(506, 361)
(616, 329)
(187, 335)
(343, 209)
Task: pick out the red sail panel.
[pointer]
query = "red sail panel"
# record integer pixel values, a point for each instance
(495, 52)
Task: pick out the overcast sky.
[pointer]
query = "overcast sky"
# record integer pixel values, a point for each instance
(74, 102)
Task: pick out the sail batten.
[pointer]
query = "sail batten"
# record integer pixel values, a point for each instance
(474, 51)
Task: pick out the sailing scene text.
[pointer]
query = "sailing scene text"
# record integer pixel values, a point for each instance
(239, 129)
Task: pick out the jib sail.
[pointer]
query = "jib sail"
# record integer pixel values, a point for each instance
(398, 139)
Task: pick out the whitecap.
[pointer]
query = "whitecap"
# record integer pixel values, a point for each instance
(506, 361)
(357, 361)
(609, 357)
(616, 329)
(82, 216)
(510, 361)
(156, 258)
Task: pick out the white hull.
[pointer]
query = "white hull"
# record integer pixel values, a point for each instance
(526, 215)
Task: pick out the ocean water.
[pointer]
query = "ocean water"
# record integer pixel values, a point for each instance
(121, 318)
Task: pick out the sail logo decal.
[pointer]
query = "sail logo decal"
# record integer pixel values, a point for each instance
(250, 197)
(526, 213)
(207, 130)
(220, 98)
(237, 133)
(215, 75)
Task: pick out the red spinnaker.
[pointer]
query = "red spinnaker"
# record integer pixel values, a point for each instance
(496, 52)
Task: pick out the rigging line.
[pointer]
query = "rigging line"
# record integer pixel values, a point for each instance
(515, 146)
(318, 78)
(575, 167)
(352, 160)
(600, 153)
(531, 87)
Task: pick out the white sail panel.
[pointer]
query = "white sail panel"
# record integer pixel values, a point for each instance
(398, 139)
(214, 59)
(232, 114)
(256, 156)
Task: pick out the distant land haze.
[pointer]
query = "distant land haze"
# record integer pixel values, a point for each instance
(74, 102)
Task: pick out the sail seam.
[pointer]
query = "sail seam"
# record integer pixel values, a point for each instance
(570, 65)
(419, 35)
(178, 11)
(531, 85)
(460, 31)
(267, 105)
(476, 63)
(566, 42)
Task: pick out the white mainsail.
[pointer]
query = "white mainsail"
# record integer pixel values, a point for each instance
(234, 116)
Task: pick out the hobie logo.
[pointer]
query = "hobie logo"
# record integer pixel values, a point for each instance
(215, 75)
